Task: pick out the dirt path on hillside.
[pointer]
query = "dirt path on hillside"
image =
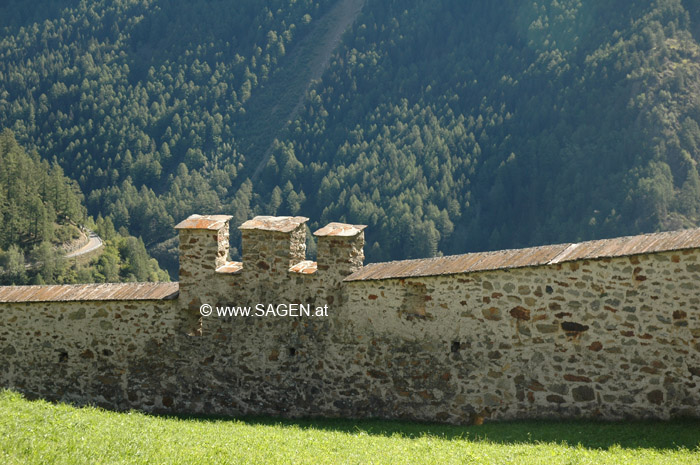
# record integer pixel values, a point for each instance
(338, 20)
(332, 26)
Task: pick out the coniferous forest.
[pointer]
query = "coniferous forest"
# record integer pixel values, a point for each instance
(42, 212)
(446, 126)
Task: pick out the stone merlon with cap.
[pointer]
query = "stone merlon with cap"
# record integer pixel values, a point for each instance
(600, 329)
(273, 245)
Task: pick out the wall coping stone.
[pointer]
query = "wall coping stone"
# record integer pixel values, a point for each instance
(209, 222)
(532, 256)
(283, 224)
(305, 267)
(230, 267)
(89, 292)
(340, 230)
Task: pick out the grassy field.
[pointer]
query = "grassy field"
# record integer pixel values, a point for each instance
(37, 432)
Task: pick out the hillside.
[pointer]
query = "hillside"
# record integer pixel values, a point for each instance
(445, 126)
(37, 202)
(498, 125)
(40, 214)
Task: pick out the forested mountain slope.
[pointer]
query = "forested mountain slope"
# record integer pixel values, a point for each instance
(40, 213)
(482, 125)
(139, 98)
(445, 125)
(37, 202)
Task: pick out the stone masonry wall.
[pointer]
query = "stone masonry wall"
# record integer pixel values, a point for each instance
(608, 338)
(86, 352)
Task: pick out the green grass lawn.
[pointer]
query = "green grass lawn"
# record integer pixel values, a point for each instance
(38, 432)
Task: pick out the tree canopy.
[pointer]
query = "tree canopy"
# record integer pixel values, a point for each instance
(41, 210)
(447, 126)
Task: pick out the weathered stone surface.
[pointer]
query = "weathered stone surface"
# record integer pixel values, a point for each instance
(586, 338)
(656, 397)
(570, 326)
(596, 346)
(520, 313)
(492, 313)
(577, 378)
(583, 393)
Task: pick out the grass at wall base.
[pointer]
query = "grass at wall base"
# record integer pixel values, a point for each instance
(38, 432)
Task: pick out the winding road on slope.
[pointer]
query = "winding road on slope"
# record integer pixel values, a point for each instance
(94, 243)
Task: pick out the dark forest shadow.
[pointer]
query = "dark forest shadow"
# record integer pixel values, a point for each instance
(18, 13)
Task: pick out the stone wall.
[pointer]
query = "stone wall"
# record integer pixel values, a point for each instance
(609, 338)
(614, 337)
(86, 352)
